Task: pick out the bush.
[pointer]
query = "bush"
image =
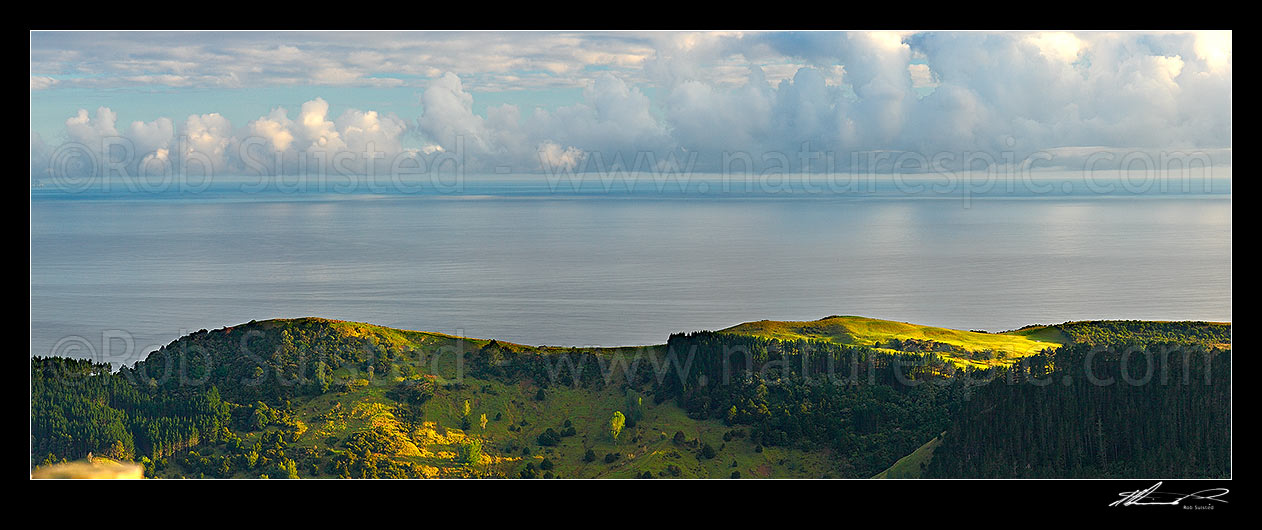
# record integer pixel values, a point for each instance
(611, 457)
(589, 456)
(470, 453)
(549, 438)
(417, 391)
(546, 464)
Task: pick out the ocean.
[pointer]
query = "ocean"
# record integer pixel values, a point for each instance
(117, 272)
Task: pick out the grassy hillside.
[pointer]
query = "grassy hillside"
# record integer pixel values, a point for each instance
(963, 347)
(365, 407)
(322, 398)
(912, 465)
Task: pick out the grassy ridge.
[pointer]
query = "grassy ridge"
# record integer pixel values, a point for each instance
(428, 435)
(875, 332)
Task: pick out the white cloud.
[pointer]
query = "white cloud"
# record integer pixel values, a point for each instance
(151, 137)
(91, 131)
(713, 92)
(314, 126)
(1058, 45)
(40, 82)
(921, 76)
(553, 157)
(1214, 47)
(209, 136)
(275, 129)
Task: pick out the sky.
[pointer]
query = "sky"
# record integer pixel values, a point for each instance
(522, 102)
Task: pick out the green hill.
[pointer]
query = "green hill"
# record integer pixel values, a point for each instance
(961, 347)
(371, 420)
(312, 397)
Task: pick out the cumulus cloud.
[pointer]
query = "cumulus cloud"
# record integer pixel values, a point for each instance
(209, 136)
(87, 130)
(355, 143)
(554, 157)
(275, 129)
(713, 94)
(316, 129)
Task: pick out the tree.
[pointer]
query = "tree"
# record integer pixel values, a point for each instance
(549, 438)
(465, 421)
(322, 376)
(482, 422)
(469, 453)
(616, 423)
(635, 407)
(261, 416)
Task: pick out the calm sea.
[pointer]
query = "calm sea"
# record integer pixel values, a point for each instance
(116, 273)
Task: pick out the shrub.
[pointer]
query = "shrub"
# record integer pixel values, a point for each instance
(470, 453)
(549, 438)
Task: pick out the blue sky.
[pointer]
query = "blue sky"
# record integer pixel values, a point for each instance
(539, 100)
